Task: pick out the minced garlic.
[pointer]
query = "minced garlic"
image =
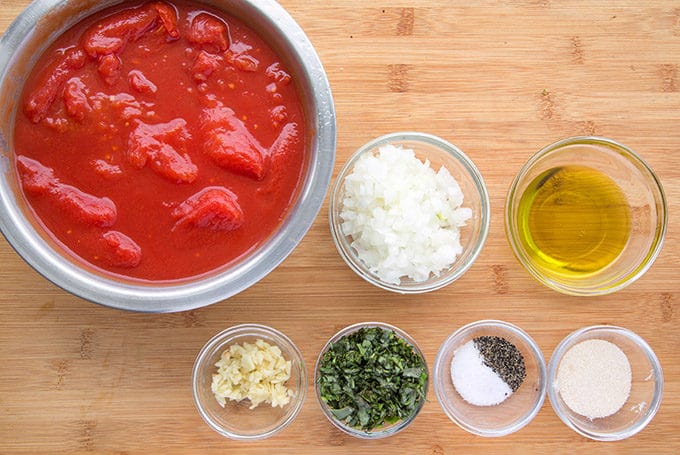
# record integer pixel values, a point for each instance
(256, 371)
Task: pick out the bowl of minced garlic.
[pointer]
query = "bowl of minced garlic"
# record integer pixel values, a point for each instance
(605, 382)
(249, 382)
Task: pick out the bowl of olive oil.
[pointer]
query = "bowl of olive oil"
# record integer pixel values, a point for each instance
(586, 216)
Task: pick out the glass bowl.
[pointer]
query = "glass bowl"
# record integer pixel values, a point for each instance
(636, 248)
(511, 414)
(646, 386)
(236, 420)
(386, 429)
(472, 235)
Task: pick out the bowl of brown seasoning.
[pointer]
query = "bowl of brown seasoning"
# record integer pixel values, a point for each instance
(605, 382)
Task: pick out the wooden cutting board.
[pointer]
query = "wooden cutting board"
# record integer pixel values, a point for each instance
(500, 79)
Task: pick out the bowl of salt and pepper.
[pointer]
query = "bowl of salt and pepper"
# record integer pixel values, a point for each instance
(490, 378)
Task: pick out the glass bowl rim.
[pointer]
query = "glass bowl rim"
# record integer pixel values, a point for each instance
(646, 349)
(451, 150)
(231, 333)
(401, 425)
(646, 172)
(446, 346)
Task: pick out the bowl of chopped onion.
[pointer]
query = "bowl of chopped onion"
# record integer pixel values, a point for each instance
(249, 382)
(409, 212)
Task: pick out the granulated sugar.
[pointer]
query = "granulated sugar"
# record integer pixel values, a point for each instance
(594, 378)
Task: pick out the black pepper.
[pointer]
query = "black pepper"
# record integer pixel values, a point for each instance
(503, 358)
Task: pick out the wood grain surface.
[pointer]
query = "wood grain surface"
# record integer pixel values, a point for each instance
(500, 79)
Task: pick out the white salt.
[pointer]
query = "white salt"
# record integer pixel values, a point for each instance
(477, 383)
(594, 378)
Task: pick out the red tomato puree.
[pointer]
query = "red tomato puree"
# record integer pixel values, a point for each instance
(159, 140)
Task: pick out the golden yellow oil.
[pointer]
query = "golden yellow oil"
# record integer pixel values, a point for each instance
(573, 221)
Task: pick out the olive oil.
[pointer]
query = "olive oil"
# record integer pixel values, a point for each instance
(573, 221)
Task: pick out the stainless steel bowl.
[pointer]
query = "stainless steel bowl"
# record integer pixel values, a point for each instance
(21, 45)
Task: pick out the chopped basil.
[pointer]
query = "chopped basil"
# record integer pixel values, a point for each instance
(372, 377)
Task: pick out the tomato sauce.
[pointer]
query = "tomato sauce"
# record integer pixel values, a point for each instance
(159, 141)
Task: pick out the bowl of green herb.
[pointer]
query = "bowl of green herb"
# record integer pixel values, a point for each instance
(371, 380)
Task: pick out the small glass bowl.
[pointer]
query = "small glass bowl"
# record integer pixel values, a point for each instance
(646, 387)
(513, 413)
(645, 198)
(235, 420)
(472, 235)
(384, 430)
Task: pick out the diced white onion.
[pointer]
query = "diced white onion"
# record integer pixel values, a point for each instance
(403, 217)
